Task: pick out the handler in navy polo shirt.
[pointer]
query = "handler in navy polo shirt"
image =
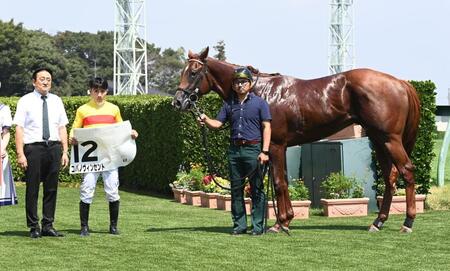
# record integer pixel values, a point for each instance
(249, 118)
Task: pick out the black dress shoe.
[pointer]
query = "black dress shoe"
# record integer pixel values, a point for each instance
(84, 231)
(52, 233)
(35, 233)
(256, 234)
(113, 230)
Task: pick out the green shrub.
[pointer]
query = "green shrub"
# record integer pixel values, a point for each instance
(338, 186)
(298, 190)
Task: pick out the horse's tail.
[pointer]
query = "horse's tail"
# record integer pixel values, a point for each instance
(412, 121)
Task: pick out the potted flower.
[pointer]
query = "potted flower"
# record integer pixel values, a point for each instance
(398, 204)
(208, 199)
(343, 196)
(224, 198)
(179, 186)
(195, 177)
(299, 196)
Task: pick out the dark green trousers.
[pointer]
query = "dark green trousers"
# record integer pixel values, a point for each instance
(243, 160)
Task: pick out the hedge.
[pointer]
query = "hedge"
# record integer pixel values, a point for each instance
(170, 140)
(167, 140)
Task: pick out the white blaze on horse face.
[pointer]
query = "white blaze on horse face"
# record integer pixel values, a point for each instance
(185, 69)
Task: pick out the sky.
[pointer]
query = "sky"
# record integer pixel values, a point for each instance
(409, 39)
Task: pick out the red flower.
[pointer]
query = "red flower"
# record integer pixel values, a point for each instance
(207, 179)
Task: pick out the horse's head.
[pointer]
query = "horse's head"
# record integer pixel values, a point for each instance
(194, 81)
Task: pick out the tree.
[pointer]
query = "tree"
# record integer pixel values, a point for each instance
(12, 42)
(95, 50)
(220, 48)
(74, 57)
(164, 69)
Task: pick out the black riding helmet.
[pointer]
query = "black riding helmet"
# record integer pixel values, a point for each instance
(242, 72)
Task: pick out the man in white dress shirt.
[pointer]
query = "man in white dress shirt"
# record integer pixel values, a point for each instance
(41, 145)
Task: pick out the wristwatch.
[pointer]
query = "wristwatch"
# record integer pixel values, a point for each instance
(265, 152)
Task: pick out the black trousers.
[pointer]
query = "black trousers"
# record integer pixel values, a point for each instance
(44, 162)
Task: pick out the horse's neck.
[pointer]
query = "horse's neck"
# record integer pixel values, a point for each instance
(222, 74)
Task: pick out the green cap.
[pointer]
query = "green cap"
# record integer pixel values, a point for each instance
(242, 72)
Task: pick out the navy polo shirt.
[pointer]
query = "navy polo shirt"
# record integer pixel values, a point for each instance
(246, 118)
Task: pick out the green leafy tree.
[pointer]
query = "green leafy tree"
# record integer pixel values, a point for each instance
(164, 68)
(93, 51)
(12, 42)
(220, 48)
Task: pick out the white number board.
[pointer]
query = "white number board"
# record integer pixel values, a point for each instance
(102, 148)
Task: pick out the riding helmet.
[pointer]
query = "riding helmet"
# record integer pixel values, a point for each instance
(242, 72)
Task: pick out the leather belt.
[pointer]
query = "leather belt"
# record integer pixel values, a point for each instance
(45, 143)
(242, 142)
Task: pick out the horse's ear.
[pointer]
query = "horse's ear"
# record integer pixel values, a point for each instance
(204, 53)
(253, 69)
(190, 54)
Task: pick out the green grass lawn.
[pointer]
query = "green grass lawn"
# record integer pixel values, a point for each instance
(159, 234)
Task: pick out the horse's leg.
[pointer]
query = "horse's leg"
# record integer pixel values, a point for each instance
(406, 169)
(390, 175)
(285, 212)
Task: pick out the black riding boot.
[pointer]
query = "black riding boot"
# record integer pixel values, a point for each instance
(113, 216)
(84, 218)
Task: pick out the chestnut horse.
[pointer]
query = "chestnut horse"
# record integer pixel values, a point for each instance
(304, 111)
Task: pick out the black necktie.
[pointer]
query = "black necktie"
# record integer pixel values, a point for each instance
(45, 129)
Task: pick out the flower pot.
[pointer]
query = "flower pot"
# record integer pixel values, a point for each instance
(209, 200)
(224, 202)
(300, 208)
(345, 207)
(178, 195)
(193, 197)
(398, 205)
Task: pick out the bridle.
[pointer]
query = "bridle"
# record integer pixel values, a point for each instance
(192, 90)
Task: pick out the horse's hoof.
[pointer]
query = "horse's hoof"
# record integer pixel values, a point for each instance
(373, 228)
(405, 229)
(273, 230)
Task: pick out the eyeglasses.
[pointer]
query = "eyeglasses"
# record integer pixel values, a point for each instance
(44, 79)
(243, 82)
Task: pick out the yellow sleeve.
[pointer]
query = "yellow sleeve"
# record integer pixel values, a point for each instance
(77, 123)
(118, 116)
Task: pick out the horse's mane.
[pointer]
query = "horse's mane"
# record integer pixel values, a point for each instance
(256, 71)
(252, 69)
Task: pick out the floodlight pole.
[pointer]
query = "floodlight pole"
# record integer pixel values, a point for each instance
(341, 49)
(130, 48)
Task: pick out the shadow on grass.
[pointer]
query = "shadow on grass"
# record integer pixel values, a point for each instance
(15, 233)
(228, 229)
(77, 231)
(192, 229)
(331, 227)
(69, 231)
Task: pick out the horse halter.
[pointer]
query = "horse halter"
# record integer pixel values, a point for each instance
(192, 91)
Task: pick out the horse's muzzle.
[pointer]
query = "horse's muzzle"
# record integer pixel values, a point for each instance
(181, 101)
